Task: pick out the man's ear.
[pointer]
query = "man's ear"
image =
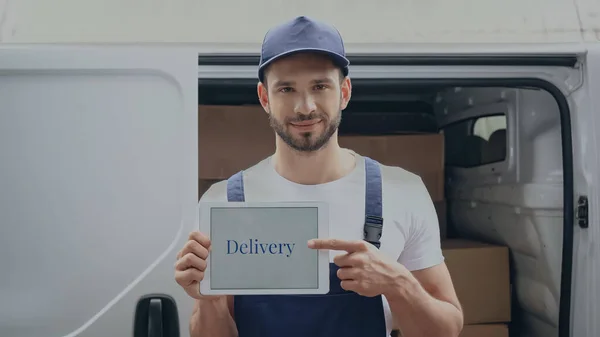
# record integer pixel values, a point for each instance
(263, 96)
(346, 92)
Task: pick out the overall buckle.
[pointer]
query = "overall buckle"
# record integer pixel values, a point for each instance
(373, 229)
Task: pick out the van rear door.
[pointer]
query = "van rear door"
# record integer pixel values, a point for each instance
(98, 188)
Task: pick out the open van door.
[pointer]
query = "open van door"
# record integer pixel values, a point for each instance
(98, 189)
(527, 156)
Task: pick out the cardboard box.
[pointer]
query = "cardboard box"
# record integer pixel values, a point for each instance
(485, 330)
(232, 138)
(480, 273)
(421, 154)
(478, 330)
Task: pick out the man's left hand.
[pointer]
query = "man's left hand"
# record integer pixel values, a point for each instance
(364, 269)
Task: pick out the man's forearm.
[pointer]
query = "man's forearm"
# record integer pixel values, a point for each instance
(418, 314)
(212, 318)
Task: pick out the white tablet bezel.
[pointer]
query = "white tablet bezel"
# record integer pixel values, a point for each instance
(205, 208)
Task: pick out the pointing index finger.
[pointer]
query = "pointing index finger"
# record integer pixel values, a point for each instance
(336, 244)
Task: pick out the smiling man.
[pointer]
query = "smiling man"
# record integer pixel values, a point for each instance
(387, 267)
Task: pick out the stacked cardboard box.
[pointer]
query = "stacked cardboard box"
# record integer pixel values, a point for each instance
(480, 330)
(485, 330)
(480, 273)
(422, 154)
(232, 138)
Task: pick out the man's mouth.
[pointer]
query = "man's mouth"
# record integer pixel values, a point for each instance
(309, 122)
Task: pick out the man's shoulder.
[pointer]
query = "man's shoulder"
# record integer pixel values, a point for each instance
(398, 177)
(405, 188)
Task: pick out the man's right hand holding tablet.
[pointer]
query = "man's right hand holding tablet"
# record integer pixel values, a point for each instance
(191, 263)
(213, 315)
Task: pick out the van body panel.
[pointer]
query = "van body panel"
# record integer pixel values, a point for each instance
(205, 21)
(564, 78)
(98, 185)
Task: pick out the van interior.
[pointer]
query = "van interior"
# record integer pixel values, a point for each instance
(496, 148)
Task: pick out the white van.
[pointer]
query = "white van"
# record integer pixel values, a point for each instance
(99, 172)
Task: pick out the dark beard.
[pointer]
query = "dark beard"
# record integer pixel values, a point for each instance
(305, 144)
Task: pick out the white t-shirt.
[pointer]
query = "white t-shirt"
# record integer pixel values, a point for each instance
(410, 231)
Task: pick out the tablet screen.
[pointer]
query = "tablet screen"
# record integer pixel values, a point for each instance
(263, 248)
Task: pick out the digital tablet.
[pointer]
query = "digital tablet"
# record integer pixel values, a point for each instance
(260, 248)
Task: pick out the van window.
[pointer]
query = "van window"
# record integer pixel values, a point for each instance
(476, 141)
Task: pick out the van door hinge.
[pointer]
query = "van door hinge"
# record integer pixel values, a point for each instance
(582, 212)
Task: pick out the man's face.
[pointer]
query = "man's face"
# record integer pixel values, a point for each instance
(304, 95)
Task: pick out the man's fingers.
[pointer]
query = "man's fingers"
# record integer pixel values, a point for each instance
(194, 247)
(336, 244)
(356, 259)
(190, 260)
(191, 263)
(343, 260)
(350, 285)
(348, 273)
(195, 239)
(201, 238)
(188, 277)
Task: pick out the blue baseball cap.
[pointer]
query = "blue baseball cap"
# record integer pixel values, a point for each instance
(302, 34)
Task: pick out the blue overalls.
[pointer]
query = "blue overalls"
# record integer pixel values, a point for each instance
(338, 313)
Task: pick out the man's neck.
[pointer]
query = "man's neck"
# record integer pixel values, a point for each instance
(325, 165)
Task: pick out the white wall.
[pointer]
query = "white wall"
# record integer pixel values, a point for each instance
(243, 21)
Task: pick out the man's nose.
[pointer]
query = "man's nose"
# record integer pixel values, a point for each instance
(306, 105)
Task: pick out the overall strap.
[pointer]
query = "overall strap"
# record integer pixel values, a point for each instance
(235, 188)
(373, 203)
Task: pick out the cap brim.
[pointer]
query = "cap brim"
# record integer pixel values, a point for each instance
(339, 60)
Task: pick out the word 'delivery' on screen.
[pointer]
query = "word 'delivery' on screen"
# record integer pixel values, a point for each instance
(254, 247)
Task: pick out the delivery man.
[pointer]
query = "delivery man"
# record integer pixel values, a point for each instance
(381, 279)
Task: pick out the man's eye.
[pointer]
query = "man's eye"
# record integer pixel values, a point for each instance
(286, 89)
(320, 87)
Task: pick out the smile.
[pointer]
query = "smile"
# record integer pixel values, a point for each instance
(306, 124)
